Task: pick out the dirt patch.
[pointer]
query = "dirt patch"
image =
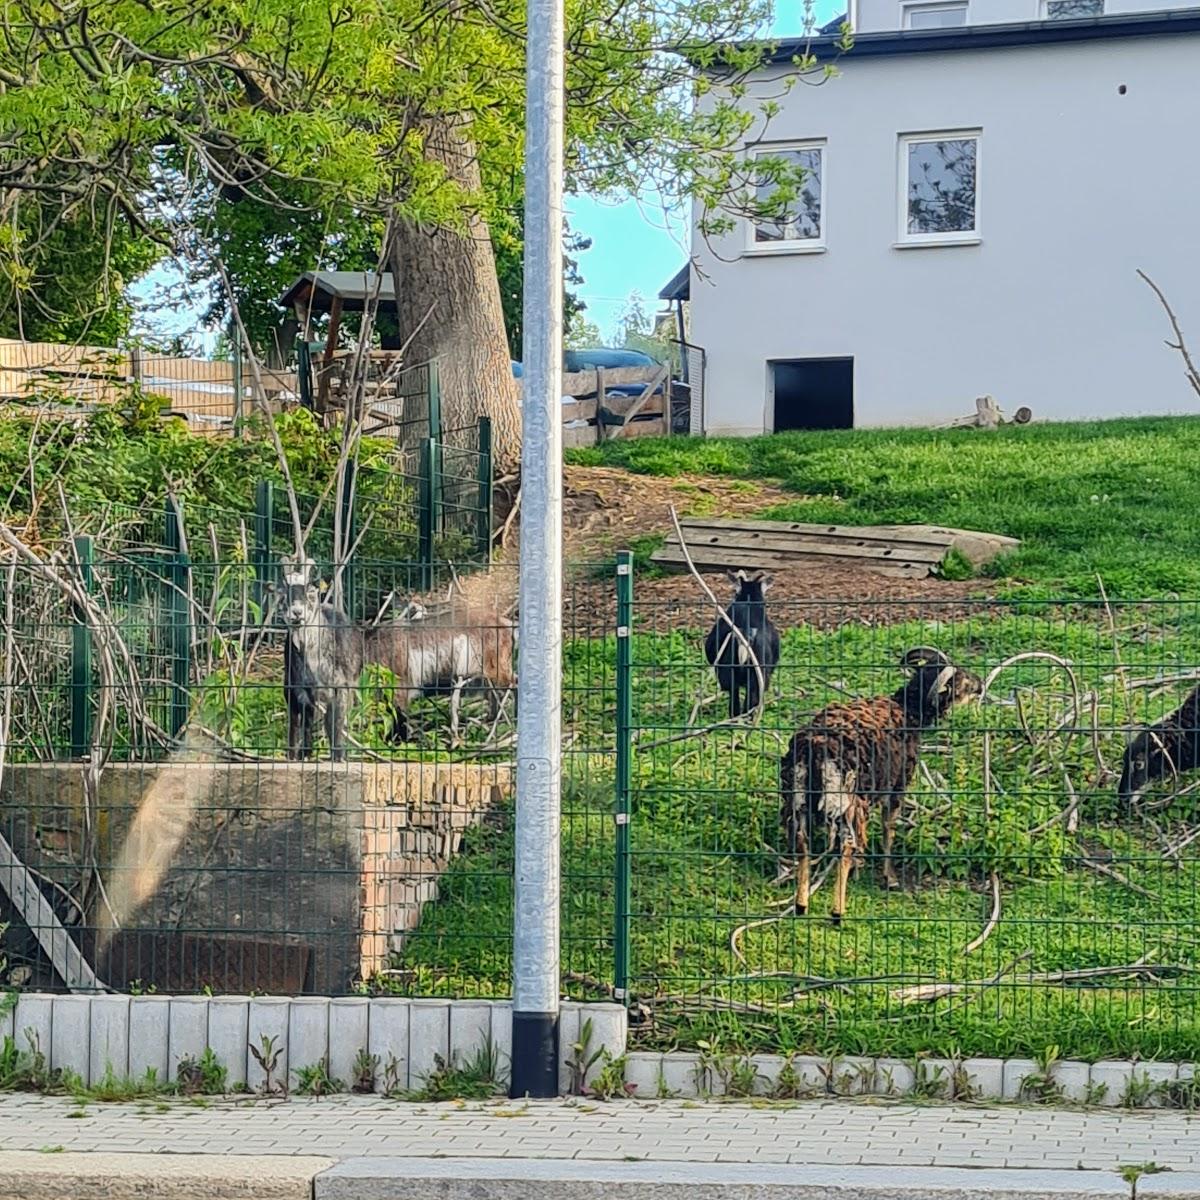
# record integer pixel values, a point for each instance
(606, 509)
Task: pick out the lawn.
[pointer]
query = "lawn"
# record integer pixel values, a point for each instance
(1115, 498)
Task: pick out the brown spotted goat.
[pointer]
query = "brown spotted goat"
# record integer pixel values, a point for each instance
(467, 644)
(859, 754)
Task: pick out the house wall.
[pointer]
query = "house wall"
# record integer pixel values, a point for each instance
(1078, 187)
(877, 16)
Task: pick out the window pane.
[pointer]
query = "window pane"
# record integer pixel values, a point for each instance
(940, 16)
(941, 186)
(1060, 10)
(803, 219)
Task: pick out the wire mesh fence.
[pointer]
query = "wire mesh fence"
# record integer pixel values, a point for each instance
(1041, 889)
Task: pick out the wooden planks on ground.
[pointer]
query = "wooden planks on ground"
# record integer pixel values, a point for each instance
(902, 551)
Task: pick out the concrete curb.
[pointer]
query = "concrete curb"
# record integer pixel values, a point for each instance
(33, 1176)
(543, 1179)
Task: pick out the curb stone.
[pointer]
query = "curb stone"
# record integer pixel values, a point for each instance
(542, 1179)
(29, 1175)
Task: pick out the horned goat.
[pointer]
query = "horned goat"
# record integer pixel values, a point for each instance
(465, 644)
(322, 662)
(730, 655)
(1170, 747)
(859, 753)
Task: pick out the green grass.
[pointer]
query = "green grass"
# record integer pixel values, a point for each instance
(705, 837)
(1114, 497)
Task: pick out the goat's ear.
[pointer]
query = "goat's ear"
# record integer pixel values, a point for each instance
(735, 577)
(765, 579)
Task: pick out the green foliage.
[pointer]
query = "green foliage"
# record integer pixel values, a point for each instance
(205, 1076)
(63, 277)
(315, 1080)
(479, 1078)
(1111, 497)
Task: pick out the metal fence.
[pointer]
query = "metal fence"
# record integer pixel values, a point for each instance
(1031, 907)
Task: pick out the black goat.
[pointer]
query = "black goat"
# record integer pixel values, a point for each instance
(856, 754)
(728, 655)
(1168, 748)
(322, 662)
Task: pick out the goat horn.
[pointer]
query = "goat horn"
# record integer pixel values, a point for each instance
(925, 654)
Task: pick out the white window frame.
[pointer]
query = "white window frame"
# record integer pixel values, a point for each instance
(906, 240)
(815, 245)
(907, 9)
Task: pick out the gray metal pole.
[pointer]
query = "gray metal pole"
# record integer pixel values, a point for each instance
(539, 692)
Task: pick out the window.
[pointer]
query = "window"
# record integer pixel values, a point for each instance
(802, 227)
(1064, 10)
(938, 182)
(937, 16)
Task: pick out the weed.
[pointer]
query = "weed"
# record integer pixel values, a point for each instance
(110, 1089)
(476, 1079)
(1182, 1093)
(662, 1090)
(205, 1076)
(267, 1054)
(1094, 1094)
(963, 1087)
(789, 1085)
(930, 1081)
(582, 1059)
(1132, 1172)
(315, 1080)
(1041, 1086)
(391, 1084)
(1140, 1091)
(365, 1067)
(609, 1081)
(50, 1149)
(739, 1075)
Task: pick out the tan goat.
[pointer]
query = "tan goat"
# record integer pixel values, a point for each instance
(465, 644)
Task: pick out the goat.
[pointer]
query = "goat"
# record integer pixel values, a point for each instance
(444, 652)
(858, 753)
(727, 654)
(322, 662)
(1168, 748)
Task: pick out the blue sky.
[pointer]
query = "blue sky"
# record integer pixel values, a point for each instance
(636, 245)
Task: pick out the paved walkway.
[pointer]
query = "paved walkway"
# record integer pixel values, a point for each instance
(831, 1133)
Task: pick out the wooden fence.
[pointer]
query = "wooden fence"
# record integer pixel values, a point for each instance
(642, 407)
(204, 392)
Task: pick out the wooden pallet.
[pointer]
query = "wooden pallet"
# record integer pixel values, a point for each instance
(903, 551)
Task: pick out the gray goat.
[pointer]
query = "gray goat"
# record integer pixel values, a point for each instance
(322, 662)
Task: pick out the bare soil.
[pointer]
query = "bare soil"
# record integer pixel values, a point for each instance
(606, 509)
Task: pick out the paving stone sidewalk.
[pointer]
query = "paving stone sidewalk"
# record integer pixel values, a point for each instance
(835, 1133)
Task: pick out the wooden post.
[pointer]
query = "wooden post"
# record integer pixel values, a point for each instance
(81, 657)
(135, 365)
(601, 392)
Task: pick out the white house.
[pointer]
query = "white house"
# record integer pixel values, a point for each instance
(985, 179)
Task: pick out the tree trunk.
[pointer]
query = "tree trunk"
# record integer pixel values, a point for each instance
(451, 276)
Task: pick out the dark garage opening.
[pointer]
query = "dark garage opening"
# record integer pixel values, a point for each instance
(813, 393)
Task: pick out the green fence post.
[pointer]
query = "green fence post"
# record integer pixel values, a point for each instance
(264, 511)
(81, 657)
(435, 402)
(621, 948)
(179, 618)
(349, 534)
(425, 513)
(483, 514)
(236, 338)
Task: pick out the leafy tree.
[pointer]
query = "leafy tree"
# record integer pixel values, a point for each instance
(63, 275)
(401, 108)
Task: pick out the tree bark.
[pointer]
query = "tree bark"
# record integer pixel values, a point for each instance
(447, 279)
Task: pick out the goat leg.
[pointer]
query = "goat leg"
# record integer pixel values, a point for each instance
(803, 880)
(845, 860)
(891, 815)
(335, 728)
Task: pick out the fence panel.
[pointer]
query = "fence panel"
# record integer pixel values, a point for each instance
(1031, 907)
